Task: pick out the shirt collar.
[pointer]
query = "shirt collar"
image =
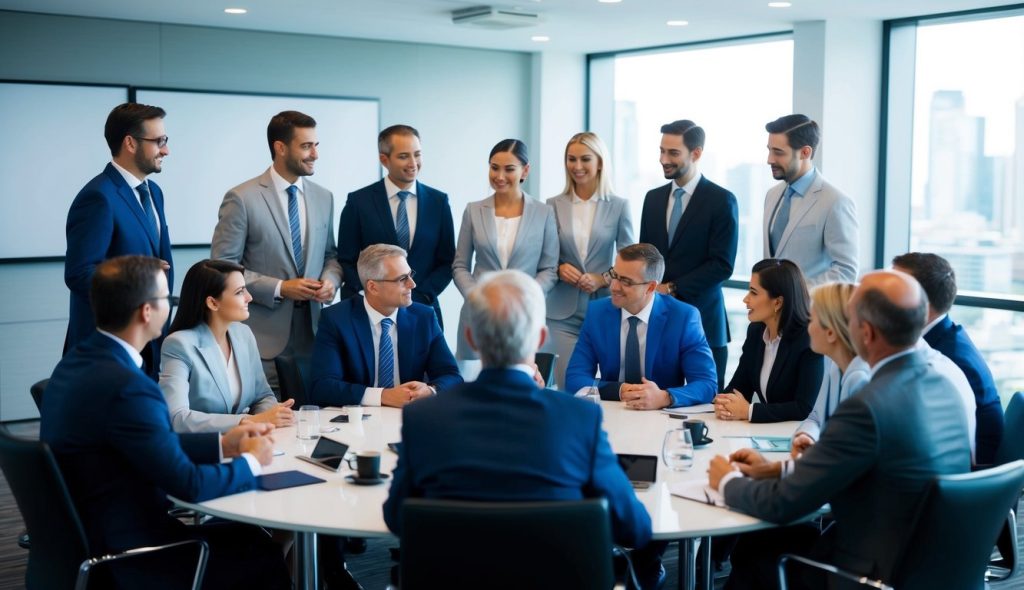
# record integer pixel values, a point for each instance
(136, 357)
(689, 187)
(767, 342)
(281, 185)
(802, 184)
(128, 176)
(933, 323)
(376, 316)
(393, 190)
(593, 198)
(891, 358)
(644, 314)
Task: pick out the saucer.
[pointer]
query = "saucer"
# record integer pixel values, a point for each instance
(701, 444)
(353, 478)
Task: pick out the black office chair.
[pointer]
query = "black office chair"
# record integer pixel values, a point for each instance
(546, 365)
(455, 544)
(37, 390)
(1011, 448)
(60, 556)
(293, 377)
(953, 532)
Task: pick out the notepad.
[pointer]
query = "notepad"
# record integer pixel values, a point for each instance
(688, 410)
(697, 490)
(772, 444)
(285, 479)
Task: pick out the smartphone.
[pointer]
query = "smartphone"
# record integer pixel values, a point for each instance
(641, 470)
(343, 418)
(394, 447)
(328, 453)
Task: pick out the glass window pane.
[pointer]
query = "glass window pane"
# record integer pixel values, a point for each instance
(999, 335)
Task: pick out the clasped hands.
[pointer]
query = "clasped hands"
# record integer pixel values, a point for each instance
(254, 438)
(280, 415)
(747, 461)
(302, 289)
(731, 406)
(398, 396)
(645, 395)
(588, 282)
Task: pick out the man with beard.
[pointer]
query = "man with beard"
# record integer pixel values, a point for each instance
(806, 219)
(279, 226)
(119, 213)
(694, 223)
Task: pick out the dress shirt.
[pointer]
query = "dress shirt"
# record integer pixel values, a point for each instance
(134, 183)
(928, 327)
(641, 335)
(234, 377)
(800, 187)
(507, 228)
(281, 188)
(688, 189)
(583, 212)
(371, 396)
(881, 363)
(410, 205)
(771, 350)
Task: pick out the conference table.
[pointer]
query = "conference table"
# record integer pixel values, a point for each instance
(338, 507)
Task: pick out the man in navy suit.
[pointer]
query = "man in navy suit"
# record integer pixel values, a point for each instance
(939, 282)
(402, 211)
(694, 223)
(117, 213)
(514, 441)
(650, 348)
(378, 349)
(110, 430)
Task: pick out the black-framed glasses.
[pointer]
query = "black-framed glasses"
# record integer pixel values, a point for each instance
(404, 279)
(168, 298)
(611, 275)
(159, 141)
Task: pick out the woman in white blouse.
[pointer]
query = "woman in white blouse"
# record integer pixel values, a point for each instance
(507, 230)
(593, 224)
(210, 369)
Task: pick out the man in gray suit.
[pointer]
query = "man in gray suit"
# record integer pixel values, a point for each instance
(806, 219)
(874, 461)
(279, 226)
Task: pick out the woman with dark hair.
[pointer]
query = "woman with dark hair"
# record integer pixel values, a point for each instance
(210, 369)
(507, 230)
(778, 376)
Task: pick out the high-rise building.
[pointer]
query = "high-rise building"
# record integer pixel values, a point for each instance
(956, 151)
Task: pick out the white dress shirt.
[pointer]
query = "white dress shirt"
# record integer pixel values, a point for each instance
(134, 183)
(583, 212)
(688, 189)
(371, 396)
(410, 205)
(507, 228)
(234, 377)
(641, 334)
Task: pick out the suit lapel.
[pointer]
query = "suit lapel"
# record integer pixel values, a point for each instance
(279, 215)
(655, 327)
(659, 206)
(383, 209)
(243, 361)
(131, 200)
(770, 205)
(406, 327)
(613, 323)
(785, 348)
(364, 338)
(563, 209)
(490, 227)
(801, 207)
(601, 217)
(531, 208)
(213, 358)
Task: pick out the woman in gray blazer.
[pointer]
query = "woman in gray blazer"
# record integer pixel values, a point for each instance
(210, 369)
(593, 224)
(509, 229)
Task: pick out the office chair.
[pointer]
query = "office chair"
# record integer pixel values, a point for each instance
(60, 556)
(293, 377)
(456, 544)
(546, 365)
(953, 533)
(1011, 448)
(37, 390)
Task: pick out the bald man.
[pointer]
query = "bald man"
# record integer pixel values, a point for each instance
(873, 463)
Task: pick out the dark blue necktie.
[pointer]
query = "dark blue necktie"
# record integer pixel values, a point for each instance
(632, 360)
(386, 354)
(293, 224)
(402, 221)
(147, 207)
(781, 221)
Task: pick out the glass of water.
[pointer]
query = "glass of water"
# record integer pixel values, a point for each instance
(308, 422)
(591, 394)
(677, 450)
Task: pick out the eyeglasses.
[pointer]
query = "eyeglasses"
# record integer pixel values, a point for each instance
(611, 275)
(159, 141)
(168, 298)
(404, 279)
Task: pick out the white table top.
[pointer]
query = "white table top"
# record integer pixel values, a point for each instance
(341, 508)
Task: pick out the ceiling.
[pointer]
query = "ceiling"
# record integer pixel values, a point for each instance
(583, 26)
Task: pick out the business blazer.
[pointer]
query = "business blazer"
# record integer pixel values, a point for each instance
(194, 379)
(366, 219)
(701, 254)
(794, 380)
(110, 429)
(106, 221)
(611, 231)
(821, 236)
(951, 340)
(343, 364)
(252, 230)
(873, 464)
(677, 355)
(836, 386)
(535, 251)
(514, 442)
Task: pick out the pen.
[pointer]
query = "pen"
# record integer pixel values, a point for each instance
(708, 496)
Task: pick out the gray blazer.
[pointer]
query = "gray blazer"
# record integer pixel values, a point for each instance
(252, 230)
(194, 379)
(612, 230)
(821, 237)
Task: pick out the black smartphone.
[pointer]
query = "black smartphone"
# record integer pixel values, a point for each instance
(641, 470)
(343, 418)
(328, 453)
(394, 447)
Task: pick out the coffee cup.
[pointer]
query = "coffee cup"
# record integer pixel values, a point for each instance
(354, 413)
(367, 464)
(698, 430)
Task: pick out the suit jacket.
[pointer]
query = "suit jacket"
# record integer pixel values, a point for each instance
(109, 427)
(194, 379)
(701, 254)
(105, 221)
(951, 340)
(252, 230)
(821, 236)
(343, 363)
(611, 231)
(366, 219)
(873, 464)
(514, 442)
(794, 380)
(677, 356)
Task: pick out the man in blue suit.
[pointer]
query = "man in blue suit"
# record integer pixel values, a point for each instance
(694, 223)
(514, 441)
(117, 213)
(402, 211)
(650, 348)
(110, 430)
(378, 349)
(939, 282)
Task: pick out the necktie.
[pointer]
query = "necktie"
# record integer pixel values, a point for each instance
(386, 354)
(402, 221)
(632, 360)
(676, 214)
(147, 207)
(293, 224)
(781, 221)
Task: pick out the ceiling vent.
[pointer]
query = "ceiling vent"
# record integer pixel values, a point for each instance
(488, 17)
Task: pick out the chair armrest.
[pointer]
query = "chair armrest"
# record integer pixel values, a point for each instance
(89, 564)
(830, 569)
(629, 578)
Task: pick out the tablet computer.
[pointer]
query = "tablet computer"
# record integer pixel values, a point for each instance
(328, 453)
(641, 470)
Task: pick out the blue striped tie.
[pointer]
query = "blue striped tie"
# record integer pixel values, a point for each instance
(293, 224)
(147, 207)
(386, 362)
(402, 221)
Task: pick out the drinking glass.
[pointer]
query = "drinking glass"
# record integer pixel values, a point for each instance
(308, 423)
(591, 394)
(677, 450)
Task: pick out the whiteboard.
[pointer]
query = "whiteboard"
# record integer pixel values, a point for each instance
(53, 145)
(219, 140)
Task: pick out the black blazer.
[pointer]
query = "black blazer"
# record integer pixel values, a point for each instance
(793, 383)
(702, 253)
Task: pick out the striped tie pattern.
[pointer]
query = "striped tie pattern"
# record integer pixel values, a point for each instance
(147, 207)
(402, 221)
(386, 356)
(293, 224)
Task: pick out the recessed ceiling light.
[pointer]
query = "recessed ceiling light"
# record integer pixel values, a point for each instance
(235, 10)
(609, 1)
(677, 23)
(780, 4)
(540, 38)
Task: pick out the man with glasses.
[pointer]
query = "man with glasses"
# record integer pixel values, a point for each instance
(381, 349)
(650, 348)
(119, 212)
